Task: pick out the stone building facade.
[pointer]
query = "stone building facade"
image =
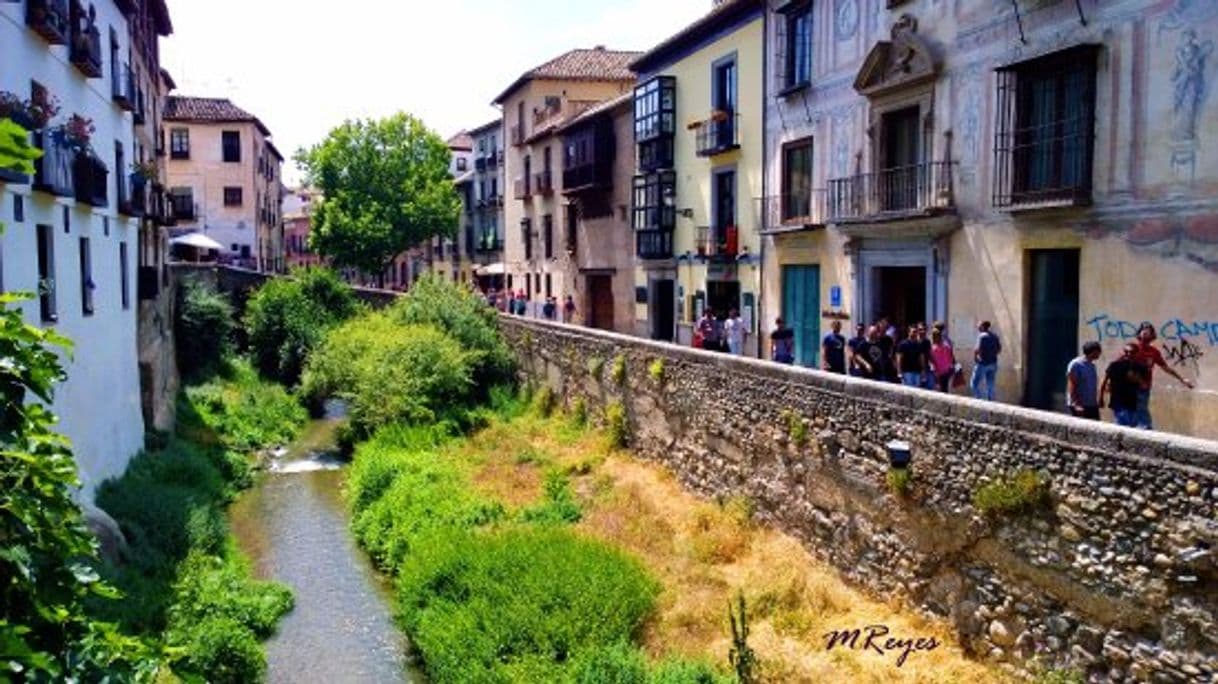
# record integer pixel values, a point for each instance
(534, 105)
(225, 179)
(1040, 165)
(1107, 569)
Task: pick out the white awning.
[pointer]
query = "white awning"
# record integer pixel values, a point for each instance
(196, 240)
(496, 268)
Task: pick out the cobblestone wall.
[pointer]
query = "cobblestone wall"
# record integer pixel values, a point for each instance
(1113, 573)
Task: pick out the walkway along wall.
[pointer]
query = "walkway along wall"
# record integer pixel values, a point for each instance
(1116, 575)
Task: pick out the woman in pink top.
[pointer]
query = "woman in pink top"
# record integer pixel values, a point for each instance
(942, 360)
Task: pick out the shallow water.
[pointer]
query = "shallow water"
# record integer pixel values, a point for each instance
(294, 526)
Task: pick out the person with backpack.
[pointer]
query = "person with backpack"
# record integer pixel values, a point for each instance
(985, 356)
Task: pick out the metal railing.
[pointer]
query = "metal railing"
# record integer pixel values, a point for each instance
(718, 241)
(54, 172)
(719, 133)
(85, 51)
(794, 210)
(914, 189)
(522, 189)
(543, 183)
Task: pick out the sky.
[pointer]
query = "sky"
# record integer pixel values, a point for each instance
(304, 67)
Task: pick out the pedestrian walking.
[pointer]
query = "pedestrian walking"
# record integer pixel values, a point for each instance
(1083, 384)
(873, 362)
(985, 357)
(734, 333)
(942, 360)
(860, 336)
(568, 310)
(549, 308)
(782, 342)
(705, 336)
(1124, 379)
(833, 349)
(1150, 357)
(928, 376)
(911, 359)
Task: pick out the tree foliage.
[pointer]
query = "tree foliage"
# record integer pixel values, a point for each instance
(16, 152)
(287, 317)
(48, 558)
(385, 187)
(203, 329)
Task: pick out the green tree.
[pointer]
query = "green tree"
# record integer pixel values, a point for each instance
(385, 187)
(287, 317)
(48, 558)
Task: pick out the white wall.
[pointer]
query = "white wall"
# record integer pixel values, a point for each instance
(99, 404)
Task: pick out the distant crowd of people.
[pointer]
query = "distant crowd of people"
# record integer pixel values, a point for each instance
(520, 304)
(1126, 382)
(921, 357)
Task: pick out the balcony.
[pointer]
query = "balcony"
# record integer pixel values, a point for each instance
(139, 116)
(543, 183)
(653, 244)
(517, 134)
(49, 19)
(86, 52)
(53, 172)
(796, 211)
(480, 164)
(183, 208)
(718, 134)
(923, 189)
(493, 158)
(148, 283)
(718, 242)
(122, 86)
(134, 203)
(90, 177)
(489, 242)
(522, 189)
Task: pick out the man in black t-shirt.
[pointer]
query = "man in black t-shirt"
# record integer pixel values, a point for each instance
(833, 348)
(1123, 379)
(860, 336)
(911, 359)
(873, 361)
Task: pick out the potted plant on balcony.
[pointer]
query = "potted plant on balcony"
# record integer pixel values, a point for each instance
(78, 133)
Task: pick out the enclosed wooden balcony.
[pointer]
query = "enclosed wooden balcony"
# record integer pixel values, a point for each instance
(49, 19)
(85, 52)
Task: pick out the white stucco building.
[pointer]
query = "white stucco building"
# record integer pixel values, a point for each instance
(73, 228)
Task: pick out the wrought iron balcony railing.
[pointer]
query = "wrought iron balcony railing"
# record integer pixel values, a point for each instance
(794, 211)
(523, 189)
(718, 134)
(543, 183)
(53, 172)
(718, 242)
(89, 175)
(913, 190)
(85, 52)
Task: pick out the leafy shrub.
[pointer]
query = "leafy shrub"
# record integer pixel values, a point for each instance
(482, 605)
(656, 371)
(1023, 490)
(544, 402)
(558, 505)
(797, 430)
(618, 663)
(286, 318)
(675, 671)
(899, 480)
(390, 372)
(203, 329)
(617, 372)
(616, 425)
(224, 652)
(465, 316)
(579, 413)
(596, 364)
(48, 558)
(240, 411)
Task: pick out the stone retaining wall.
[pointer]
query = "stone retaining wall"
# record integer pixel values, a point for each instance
(1114, 574)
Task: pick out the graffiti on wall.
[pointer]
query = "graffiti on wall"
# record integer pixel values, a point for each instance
(1183, 341)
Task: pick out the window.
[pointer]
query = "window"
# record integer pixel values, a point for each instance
(46, 273)
(124, 279)
(1046, 129)
(232, 197)
(654, 201)
(231, 144)
(528, 171)
(120, 178)
(723, 94)
(462, 164)
(547, 229)
(179, 143)
(797, 179)
(236, 248)
(86, 277)
(549, 285)
(18, 208)
(245, 251)
(526, 230)
(655, 122)
(572, 227)
(796, 63)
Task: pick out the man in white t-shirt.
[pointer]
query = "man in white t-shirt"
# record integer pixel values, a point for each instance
(733, 329)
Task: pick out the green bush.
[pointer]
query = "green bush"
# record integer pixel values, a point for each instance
(479, 606)
(389, 372)
(656, 371)
(544, 402)
(617, 372)
(240, 411)
(579, 413)
(286, 318)
(558, 506)
(1021, 491)
(797, 430)
(48, 558)
(899, 480)
(596, 364)
(676, 671)
(203, 329)
(618, 663)
(464, 315)
(617, 425)
(223, 652)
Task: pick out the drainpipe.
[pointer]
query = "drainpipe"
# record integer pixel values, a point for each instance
(765, 176)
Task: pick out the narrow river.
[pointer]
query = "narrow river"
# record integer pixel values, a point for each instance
(294, 527)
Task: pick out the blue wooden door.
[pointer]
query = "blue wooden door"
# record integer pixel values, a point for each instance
(801, 310)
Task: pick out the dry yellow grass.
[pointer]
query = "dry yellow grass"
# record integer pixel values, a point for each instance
(703, 553)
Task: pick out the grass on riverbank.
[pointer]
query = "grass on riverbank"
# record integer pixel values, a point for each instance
(702, 553)
(184, 583)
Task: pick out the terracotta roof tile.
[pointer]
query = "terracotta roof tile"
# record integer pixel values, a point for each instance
(461, 141)
(204, 109)
(596, 64)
